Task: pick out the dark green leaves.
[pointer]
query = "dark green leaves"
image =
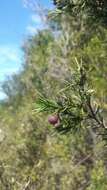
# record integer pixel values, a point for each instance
(44, 104)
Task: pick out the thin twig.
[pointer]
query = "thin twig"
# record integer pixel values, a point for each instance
(26, 185)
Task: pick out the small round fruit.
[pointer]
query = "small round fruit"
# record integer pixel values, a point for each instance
(53, 119)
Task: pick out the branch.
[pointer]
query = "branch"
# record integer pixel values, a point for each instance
(26, 185)
(94, 115)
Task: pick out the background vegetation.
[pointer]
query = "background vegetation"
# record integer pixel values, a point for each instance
(34, 154)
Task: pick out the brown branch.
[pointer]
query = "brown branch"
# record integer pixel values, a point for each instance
(93, 114)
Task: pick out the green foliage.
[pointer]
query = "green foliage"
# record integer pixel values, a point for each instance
(98, 177)
(96, 10)
(74, 105)
(45, 105)
(64, 73)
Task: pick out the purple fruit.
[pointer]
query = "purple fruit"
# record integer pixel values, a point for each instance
(53, 119)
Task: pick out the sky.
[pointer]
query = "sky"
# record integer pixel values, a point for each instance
(17, 21)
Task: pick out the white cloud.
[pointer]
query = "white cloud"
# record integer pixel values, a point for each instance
(2, 95)
(8, 53)
(34, 25)
(7, 71)
(31, 30)
(10, 60)
(36, 19)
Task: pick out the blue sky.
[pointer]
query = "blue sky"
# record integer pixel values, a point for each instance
(16, 22)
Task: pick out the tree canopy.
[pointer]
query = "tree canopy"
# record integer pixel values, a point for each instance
(53, 129)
